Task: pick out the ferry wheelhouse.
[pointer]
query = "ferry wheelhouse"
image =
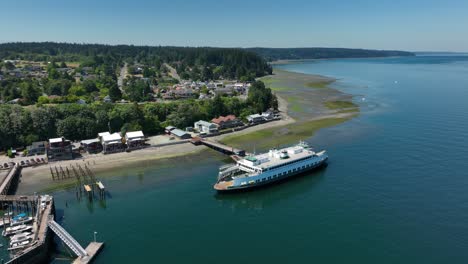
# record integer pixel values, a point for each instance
(266, 168)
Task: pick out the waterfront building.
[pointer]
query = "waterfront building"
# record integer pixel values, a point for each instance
(206, 127)
(59, 149)
(261, 118)
(37, 148)
(111, 143)
(229, 121)
(181, 134)
(134, 139)
(91, 145)
(168, 129)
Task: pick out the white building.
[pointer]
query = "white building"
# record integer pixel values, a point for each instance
(135, 139)
(111, 142)
(205, 127)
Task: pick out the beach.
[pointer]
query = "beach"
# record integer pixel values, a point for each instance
(309, 113)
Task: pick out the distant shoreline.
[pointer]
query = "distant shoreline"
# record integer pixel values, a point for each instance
(293, 61)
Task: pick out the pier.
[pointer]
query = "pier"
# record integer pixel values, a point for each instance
(83, 255)
(67, 239)
(86, 181)
(11, 180)
(42, 211)
(218, 146)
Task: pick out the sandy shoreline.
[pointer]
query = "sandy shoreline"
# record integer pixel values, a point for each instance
(39, 178)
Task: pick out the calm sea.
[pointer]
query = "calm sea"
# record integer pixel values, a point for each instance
(395, 190)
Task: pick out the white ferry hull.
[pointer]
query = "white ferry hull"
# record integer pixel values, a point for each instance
(252, 184)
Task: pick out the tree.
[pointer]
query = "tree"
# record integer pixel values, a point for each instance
(9, 66)
(137, 90)
(30, 93)
(90, 86)
(216, 107)
(74, 128)
(114, 93)
(259, 97)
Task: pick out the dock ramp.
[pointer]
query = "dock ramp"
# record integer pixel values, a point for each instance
(67, 239)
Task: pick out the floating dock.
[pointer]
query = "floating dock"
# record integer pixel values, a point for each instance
(92, 249)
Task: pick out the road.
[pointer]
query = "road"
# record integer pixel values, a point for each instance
(122, 76)
(172, 71)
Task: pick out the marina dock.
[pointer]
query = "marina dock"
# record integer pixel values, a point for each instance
(42, 210)
(218, 146)
(92, 249)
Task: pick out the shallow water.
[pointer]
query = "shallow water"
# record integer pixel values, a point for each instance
(395, 190)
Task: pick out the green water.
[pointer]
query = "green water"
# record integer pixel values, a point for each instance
(395, 190)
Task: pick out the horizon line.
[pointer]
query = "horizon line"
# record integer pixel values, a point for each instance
(231, 47)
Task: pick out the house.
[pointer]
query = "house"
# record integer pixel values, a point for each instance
(227, 121)
(134, 140)
(111, 142)
(91, 145)
(268, 115)
(223, 91)
(81, 102)
(107, 99)
(183, 93)
(15, 101)
(255, 119)
(181, 134)
(168, 129)
(100, 135)
(264, 117)
(37, 148)
(59, 149)
(206, 127)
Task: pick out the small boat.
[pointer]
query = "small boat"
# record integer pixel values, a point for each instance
(16, 229)
(20, 237)
(19, 245)
(20, 219)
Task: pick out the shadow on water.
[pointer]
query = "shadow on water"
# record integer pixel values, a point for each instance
(267, 195)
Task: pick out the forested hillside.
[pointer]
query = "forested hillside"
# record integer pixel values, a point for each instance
(229, 63)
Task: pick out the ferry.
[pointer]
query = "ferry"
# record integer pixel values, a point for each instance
(277, 164)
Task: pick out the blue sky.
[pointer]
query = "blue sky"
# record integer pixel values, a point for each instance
(414, 25)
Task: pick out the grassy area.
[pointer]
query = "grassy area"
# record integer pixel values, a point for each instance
(351, 110)
(288, 134)
(333, 105)
(59, 186)
(73, 64)
(319, 85)
(268, 81)
(294, 105)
